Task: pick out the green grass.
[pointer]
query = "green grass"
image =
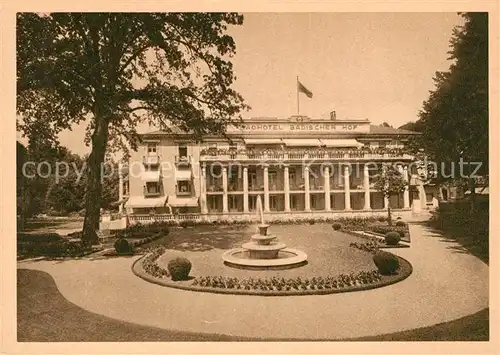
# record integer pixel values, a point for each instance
(44, 315)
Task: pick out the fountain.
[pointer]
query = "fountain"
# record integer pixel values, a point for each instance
(263, 251)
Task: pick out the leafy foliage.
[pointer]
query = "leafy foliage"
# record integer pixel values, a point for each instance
(179, 268)
(59, 193)
(389, 181)
(392, 238)
(115, 70)
(454, 119)
(386, 263)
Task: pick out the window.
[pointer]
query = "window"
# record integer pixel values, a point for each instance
(214, 173)
(212, 145)
(382, 144)
(291, 176)
(293, 202)
(152, 187)
(184, 186)
(182, 151)
(152, 148)
(252, 203)
(212, 203)
(233, 202)
(273, 202)
(272, 180)
(252, 179)
(313, 202)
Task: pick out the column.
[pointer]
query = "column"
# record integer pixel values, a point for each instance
(326, 184)
(386, 198)
(347, 189)
(266, 188)
(286, 180)
(245, 189)
(406, 193)
(224, 189)
(120, 188)
(203, 188)
(307, 198)
(366, 186)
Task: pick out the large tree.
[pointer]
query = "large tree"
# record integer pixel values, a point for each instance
(114, 70)
(454, 119)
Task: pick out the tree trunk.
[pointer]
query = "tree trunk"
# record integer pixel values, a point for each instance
(472, 187)
(94, 183)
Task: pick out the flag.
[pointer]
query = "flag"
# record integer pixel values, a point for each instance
(303, 89)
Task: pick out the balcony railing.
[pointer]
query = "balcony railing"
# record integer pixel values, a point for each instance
(280, 155)
(185, 160)
(151, 159)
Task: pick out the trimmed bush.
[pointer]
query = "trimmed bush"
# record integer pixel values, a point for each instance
(382, 219)
(186, 223)
(336, 226)
(386, 263)
(179, 268)
(386, 229)
(400, 224)
(122, 246)
(392, 238)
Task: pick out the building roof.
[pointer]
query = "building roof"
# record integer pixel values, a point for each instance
(374, 129)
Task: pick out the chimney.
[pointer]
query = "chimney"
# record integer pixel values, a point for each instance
(333, 115)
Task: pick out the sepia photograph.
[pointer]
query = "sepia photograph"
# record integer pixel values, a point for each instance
(252, 177)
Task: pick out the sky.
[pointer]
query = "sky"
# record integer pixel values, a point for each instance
(376, 66)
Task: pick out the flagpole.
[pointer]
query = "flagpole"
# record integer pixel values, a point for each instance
(297, 87)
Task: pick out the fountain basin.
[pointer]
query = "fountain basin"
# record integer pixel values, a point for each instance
(263, 251)
(285, 259)
(263, 239)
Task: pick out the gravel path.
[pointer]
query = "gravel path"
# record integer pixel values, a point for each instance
(446, 284)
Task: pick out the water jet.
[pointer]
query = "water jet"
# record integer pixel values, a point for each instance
(263, 251)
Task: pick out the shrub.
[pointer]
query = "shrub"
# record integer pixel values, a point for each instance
(385, 262)
(386, 229)
(179, 268)
(337, 226)
(59, 248)
(144, 230)
(185, 224)
(392, 238)
(122, 246)
(149, 262)
(400, 224)
(39, 237)
(382, 219)
(312, 221)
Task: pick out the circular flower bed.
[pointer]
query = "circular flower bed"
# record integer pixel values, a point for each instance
(148, 269)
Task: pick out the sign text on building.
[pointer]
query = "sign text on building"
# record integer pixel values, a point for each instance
(301, 127)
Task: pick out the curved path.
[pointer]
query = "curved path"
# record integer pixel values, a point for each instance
(446, 284)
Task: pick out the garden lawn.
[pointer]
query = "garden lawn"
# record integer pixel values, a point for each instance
(328, 251)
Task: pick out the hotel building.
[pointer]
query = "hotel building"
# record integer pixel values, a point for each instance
(300, 167)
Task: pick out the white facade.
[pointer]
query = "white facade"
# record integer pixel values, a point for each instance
(299, 166)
